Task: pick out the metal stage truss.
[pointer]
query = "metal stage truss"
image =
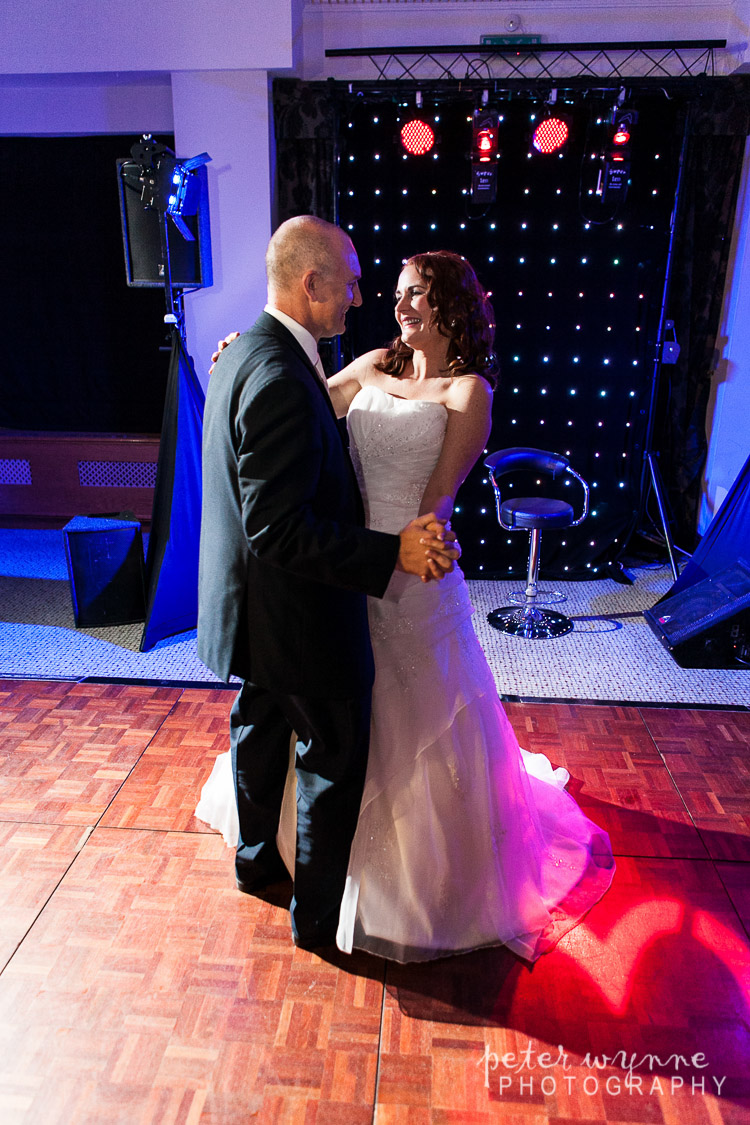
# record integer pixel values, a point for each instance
(592, 62)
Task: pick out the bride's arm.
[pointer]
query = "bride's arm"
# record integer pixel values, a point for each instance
(469, 423)
(344, 385)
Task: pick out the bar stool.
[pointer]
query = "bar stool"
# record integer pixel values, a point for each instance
(533, 514)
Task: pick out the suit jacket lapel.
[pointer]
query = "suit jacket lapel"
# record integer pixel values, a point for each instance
(276, 328)
(271, 324)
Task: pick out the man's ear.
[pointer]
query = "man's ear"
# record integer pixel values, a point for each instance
(311, 285)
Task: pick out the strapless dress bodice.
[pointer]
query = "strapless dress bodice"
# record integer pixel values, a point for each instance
(395, 444)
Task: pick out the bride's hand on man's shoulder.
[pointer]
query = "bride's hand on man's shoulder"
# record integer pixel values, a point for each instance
(222, 344)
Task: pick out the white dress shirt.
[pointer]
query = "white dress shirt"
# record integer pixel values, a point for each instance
(304, 338)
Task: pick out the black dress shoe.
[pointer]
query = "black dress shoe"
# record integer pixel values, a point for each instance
(327, 950)
(316, 943)
(278, 893)
(250, 888)
(260, 880)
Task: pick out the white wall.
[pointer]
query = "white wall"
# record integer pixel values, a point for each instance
(348, 24)
(47, 36)
(227, 114)
(83, 104)
(728, 419)
(71, 36)
(738, 29)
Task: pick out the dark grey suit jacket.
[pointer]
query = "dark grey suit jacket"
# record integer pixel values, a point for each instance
(285, 560)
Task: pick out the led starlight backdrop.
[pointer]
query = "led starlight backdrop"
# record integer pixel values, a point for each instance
(576, 301)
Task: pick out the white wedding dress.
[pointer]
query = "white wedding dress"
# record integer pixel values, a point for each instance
(464, 840)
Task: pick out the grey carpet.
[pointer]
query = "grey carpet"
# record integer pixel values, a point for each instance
(612, 654)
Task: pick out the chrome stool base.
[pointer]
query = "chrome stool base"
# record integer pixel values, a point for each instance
(533, 624)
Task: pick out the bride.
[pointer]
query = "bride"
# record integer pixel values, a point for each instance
(463, 840)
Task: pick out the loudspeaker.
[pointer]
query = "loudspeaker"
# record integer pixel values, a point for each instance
(189, 262)
(105, 567)
(707, 625)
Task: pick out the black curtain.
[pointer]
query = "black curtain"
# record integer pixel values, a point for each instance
(173, 545)
(305, 124)
(305, 133)
(718, 126)
(79, 350)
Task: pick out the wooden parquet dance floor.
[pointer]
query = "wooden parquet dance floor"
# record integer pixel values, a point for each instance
(139, 987)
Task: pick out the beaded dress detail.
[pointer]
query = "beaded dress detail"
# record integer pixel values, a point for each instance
(463, 839)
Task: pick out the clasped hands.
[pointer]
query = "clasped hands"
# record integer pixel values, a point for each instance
(428, 549)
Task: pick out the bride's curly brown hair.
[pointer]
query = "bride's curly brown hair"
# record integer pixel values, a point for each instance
(463, 314)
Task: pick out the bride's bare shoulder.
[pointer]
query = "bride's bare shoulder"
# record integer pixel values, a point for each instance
(469, 391)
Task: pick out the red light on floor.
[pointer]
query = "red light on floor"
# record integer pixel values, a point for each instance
(550, 135)
(625, 944)
(417, 137)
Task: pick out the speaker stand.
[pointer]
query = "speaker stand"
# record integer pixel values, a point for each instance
(658, 487)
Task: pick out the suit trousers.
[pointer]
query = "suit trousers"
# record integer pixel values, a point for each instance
(331, 763)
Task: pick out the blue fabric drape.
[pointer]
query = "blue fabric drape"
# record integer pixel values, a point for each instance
(726, 539)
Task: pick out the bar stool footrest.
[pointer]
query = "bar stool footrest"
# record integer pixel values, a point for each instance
(543, 597)
(530, 623)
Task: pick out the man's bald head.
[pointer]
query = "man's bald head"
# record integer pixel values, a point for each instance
(299, 245)
(313, 274)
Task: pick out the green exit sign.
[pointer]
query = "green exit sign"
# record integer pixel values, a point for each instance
(510, 40)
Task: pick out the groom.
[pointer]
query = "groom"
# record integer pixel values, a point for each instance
(285, 564)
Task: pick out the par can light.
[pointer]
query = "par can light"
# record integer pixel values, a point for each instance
(550, 135)
(417, 137)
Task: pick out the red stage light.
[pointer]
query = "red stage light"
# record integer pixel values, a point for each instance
(484, 155)
(417, 137)
(550, 135)
(621, 137)
(485, 144)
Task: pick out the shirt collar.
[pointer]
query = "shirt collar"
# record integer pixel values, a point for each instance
(304, 338)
